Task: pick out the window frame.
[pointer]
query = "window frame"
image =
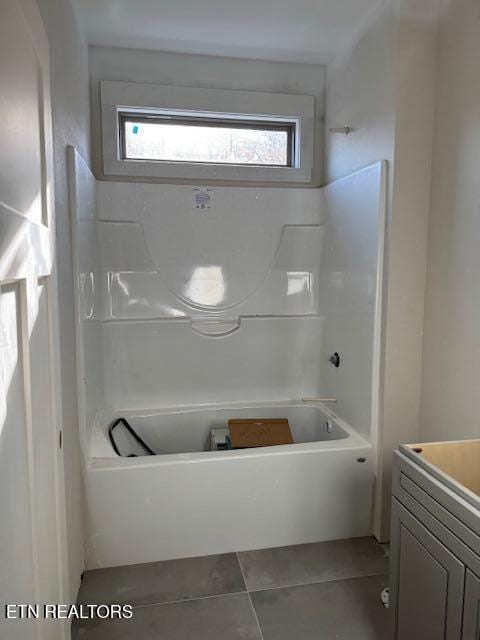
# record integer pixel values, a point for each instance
(128, 98)
(201, 120)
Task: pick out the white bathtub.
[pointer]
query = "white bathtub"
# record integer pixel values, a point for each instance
(192, 502)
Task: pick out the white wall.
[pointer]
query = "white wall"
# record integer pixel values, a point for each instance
(416, 73)
(360, 92)
(383, 86)
(135, 65)
(451, 373)
(69, 74)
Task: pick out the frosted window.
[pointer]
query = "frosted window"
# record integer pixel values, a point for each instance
(207, 141)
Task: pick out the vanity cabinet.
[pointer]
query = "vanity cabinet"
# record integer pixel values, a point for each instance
(471, 619)
(435, 549)
(430, 583)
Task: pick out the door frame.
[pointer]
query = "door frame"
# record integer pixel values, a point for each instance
(27, 259)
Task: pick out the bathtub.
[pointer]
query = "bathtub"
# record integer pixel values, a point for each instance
(187, 501)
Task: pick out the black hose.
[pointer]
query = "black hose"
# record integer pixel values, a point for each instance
(132, 433)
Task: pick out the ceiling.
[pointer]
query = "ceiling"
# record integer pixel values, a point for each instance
(308, 31)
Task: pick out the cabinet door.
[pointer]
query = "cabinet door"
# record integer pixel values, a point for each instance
(471, 611)
(427, 582)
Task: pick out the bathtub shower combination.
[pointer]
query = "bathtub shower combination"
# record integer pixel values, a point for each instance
(187, 318)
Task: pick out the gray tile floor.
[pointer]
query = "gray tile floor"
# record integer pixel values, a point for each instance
(323, 591)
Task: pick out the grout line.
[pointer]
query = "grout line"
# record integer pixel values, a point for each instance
(255, 616)
(240, 566)
(182, 601)
(313, 582)
(254, 589)
(250, 599)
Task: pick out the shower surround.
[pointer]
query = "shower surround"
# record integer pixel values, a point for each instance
(187, 316)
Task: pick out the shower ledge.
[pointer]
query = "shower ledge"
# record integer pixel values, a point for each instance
(195, 320)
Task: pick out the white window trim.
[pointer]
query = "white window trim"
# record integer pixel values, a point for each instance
(120, 96)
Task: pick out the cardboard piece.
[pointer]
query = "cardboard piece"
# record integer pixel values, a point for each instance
(259, 432)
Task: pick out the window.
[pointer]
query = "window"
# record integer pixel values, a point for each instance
(169, 137)
(189, 133)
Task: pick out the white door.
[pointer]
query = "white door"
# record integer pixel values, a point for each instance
(32, 522)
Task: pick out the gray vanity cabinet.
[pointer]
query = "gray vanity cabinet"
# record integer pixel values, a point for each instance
(430, 582)
(471, 620)
(435, 551)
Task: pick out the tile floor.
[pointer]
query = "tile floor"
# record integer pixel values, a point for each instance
(323, 591)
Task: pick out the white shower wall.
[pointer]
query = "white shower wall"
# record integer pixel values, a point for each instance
(90, 378)
(350, 290)
(156, 366)
(243, 301)
(247, 266)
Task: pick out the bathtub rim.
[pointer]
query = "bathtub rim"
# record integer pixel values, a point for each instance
(353, 441)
